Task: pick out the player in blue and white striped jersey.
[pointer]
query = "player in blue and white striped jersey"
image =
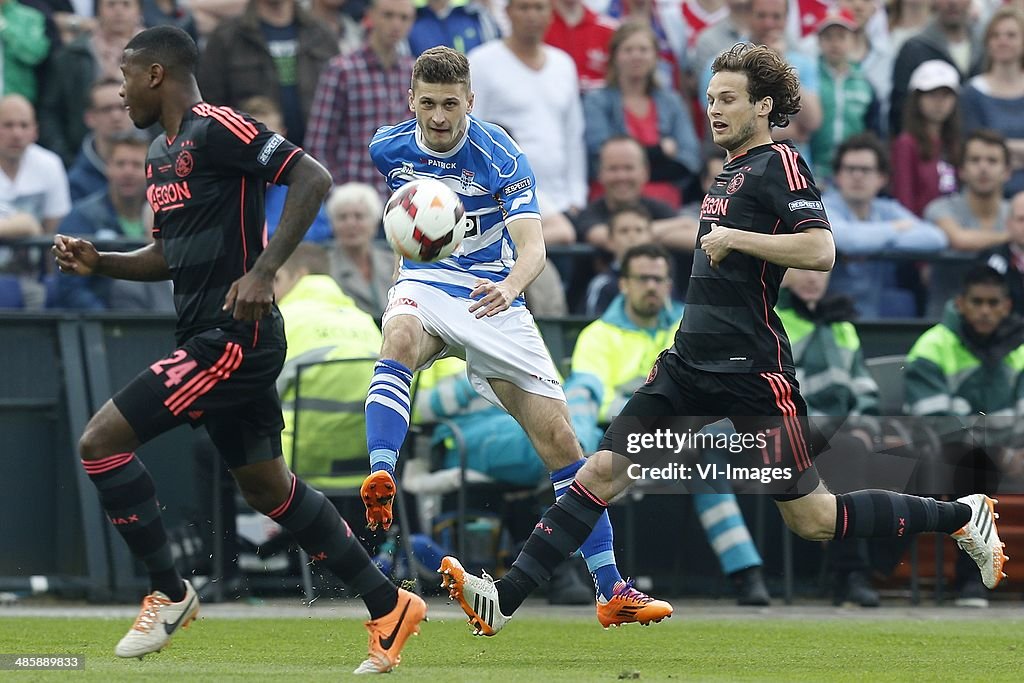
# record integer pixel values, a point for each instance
(471, 304)
(492, 177)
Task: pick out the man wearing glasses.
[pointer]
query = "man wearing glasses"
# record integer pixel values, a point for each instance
(864, 224)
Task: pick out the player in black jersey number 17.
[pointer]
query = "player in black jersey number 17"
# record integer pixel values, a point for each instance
(732, 358)
(206, 180)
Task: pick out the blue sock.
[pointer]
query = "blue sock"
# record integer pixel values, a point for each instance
(597, 550)
(726, 531)
(387, 413)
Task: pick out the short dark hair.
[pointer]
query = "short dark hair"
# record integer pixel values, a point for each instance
(441, 64)
(649, 250)
(103, 82)
(260, 106)
(169, 46)
(989, 137)
(768, 75)
(622, 137)
(982, 274)
(860, 141)
(633, 207)
(129, 138)
(96, 6)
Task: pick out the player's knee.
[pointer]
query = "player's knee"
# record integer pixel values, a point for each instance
(92, 445)
(263, 493)
(402, 341)
(260, 500)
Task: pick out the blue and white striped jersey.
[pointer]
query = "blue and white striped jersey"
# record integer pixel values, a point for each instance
(492, 177)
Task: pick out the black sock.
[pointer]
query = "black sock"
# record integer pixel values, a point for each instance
(561, 530)
(327, 538)
(874, 513)
(128, 496)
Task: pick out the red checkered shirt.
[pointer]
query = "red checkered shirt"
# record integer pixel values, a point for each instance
(355, 96)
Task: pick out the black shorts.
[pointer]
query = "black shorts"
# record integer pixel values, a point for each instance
(766, 409)
(216, 381)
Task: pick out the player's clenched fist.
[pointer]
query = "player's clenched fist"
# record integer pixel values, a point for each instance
(716, 243)
(74, 255)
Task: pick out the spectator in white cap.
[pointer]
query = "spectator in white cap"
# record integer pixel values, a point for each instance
(924, 155)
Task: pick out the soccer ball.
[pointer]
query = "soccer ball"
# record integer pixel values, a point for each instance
(424, 220)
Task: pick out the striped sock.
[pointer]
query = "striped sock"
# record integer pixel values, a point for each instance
(598, 550)
(562, 529)
(128, 497)
(387, 413)
(326, 537)
(874, 513)
(726, 531)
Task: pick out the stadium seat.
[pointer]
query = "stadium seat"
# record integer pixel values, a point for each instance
(465, 510)
(10, 292)
(887, 371)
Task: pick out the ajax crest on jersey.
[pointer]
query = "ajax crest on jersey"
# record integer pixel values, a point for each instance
(424, 220)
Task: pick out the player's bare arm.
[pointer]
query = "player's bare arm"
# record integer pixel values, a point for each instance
(811, 249)
(495, 297)
(678, 232)
(252, 295)
(80, 257)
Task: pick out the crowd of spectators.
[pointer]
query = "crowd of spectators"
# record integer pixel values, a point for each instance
(909, 120)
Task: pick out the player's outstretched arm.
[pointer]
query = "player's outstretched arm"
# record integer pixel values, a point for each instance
(252, 295)
(528, 236)
(811, 249)
(80, 257)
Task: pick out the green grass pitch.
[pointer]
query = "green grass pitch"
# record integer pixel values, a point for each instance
(544, 650)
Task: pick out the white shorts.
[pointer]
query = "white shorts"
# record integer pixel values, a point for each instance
(504, 346)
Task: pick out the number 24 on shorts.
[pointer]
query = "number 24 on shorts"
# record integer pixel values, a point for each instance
(177, 367)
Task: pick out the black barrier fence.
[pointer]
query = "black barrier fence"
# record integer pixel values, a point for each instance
(60, 368)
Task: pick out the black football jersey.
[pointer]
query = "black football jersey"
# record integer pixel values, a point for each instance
(207, 188)
(729, 323)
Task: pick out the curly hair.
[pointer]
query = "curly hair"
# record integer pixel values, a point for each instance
(768, 75)
(441, 65)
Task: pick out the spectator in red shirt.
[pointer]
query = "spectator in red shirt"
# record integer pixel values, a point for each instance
(585, 35)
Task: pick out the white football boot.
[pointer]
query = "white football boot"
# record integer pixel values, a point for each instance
(477, 596)
(980, 539)
(158, 620)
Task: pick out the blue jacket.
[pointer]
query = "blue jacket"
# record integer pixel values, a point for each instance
(872, 283)
(604, 116)
(319, 231)
(465, 27)
(88, 172)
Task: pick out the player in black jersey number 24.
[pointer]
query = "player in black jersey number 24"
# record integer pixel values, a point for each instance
(206, 180)
(731, 357)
